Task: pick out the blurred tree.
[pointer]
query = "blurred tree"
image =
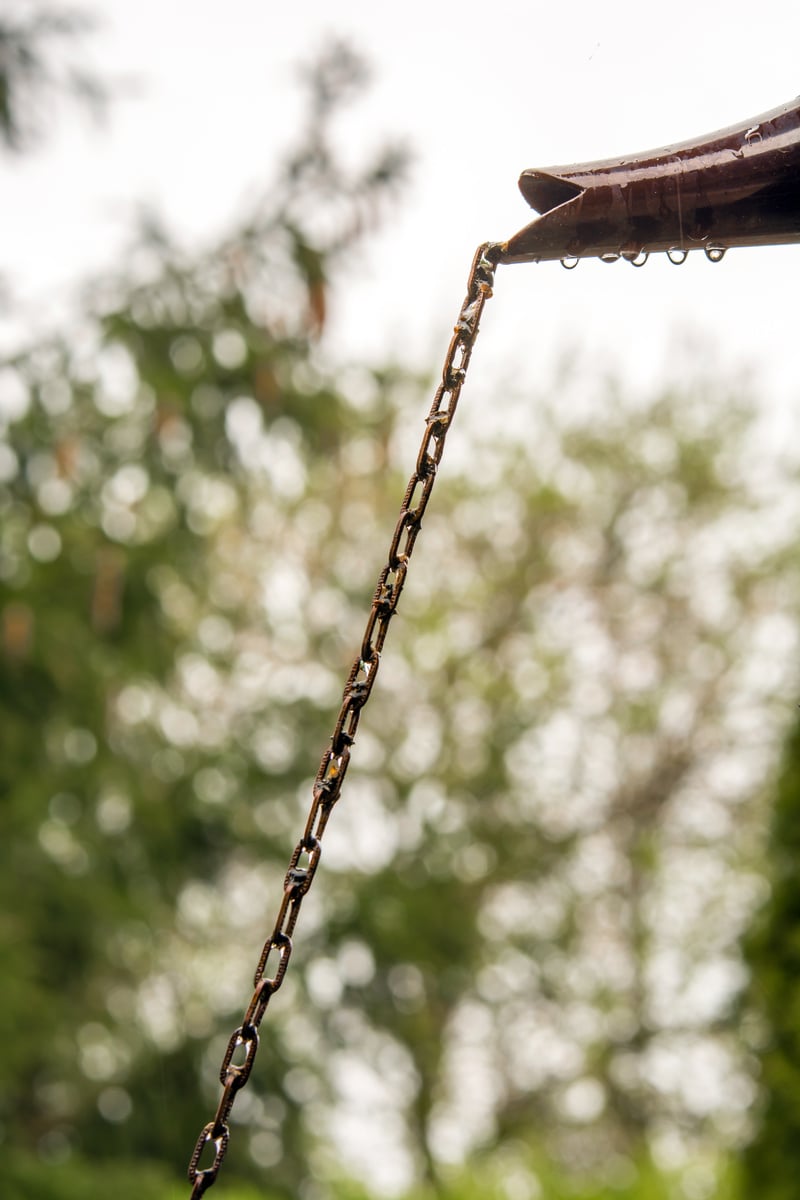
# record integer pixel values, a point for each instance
(142, 459)
(774, 957)
(600, 654)
(526, 933)
(38, 66)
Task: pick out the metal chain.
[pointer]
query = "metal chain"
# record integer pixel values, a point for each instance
(274, 960)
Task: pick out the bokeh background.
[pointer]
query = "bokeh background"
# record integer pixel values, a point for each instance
(552, 947)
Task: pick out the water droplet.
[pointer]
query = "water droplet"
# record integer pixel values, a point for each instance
(753, 135)
(677, 255)
(609, 258)
(569, 262)
(638, 259)
(715, 254)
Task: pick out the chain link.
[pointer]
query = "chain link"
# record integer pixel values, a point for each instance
(277, 950)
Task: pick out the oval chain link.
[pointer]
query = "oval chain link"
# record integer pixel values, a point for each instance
(275, 955)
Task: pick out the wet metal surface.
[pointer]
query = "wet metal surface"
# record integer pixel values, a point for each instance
(736, 187)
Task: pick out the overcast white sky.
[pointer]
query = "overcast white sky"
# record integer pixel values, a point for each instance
(480, 91)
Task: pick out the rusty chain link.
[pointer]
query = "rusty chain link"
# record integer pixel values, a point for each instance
(243, 1042)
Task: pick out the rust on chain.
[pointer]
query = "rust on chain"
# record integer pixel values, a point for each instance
(303, 863)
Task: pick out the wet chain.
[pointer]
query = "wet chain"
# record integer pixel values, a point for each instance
(237, 1062)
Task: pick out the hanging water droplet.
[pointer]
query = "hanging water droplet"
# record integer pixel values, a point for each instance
(753, 135)
(638, 259)
(677, 255)
(569, 262)
(609, 258)
(715, 254)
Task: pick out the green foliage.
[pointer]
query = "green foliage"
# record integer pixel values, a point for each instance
(90, 1179)
(524, 1175)
(152, 462)
(773, 946)
(82, 1180)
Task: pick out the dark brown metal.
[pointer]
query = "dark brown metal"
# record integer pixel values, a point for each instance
(737, 187)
